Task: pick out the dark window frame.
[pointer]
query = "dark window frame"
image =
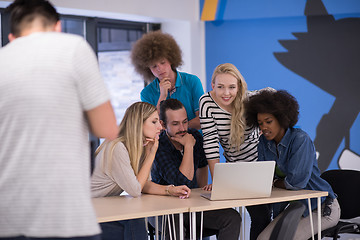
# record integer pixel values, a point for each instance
(91, 25)
(5, 27)
(91, 35)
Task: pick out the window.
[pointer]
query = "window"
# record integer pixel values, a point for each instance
(4, 27)
(1, 10)
(112, 41)
(73, 25)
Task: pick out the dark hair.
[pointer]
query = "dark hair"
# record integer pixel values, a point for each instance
(280, 103)
(154, 46)
(23, 12)
(170, 103)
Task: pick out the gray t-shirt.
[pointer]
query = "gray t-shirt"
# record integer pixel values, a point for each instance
(47, 82)
(112, 179)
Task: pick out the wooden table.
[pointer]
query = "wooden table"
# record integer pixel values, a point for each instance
(200, 204)
(126, 207)
(118, 208)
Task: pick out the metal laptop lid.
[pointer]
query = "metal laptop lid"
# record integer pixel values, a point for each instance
(242, 180)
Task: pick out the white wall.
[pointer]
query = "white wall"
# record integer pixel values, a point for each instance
(178, 18)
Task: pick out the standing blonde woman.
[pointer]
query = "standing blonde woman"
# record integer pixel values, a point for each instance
(222, 119)
(124, 164)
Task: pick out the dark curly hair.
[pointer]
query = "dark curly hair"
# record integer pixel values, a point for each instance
(279, 103)
(170, 103)
(154, 46)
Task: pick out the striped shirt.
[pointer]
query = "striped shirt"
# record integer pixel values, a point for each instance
(215, 124)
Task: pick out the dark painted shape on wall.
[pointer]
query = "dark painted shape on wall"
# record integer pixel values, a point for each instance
(328, 55)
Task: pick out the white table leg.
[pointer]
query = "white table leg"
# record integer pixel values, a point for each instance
(156, 227)
(190, 224)
(319, 217)
(193, 214)
(170, 233)
(243, 217)
(173, 225)
(163, 226)
(201, 224)
(181, 226)
(311, 220)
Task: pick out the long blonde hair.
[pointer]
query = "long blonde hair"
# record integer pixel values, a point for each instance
(238, 122)
(131, 135)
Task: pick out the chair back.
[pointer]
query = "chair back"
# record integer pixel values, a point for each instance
(286, 227)
(346, 184)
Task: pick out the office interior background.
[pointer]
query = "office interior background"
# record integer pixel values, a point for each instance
(309, 47)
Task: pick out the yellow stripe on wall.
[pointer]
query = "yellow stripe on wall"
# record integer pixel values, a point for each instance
(209, 10)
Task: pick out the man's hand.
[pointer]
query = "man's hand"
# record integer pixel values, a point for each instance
(186, 140)
(165, 86)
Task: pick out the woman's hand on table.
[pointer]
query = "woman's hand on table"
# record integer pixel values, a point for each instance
(207, 187)
(179, 191)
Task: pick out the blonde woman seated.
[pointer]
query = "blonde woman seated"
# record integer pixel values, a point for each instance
(124, 164)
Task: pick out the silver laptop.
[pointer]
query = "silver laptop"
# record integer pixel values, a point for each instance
(241, 180)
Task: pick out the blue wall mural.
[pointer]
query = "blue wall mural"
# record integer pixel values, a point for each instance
(310, 48)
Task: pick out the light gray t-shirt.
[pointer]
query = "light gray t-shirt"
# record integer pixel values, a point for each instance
(47, 82)
(118, 177)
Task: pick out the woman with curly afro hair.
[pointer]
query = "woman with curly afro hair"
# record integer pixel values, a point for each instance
(156, 57)
(276, 113)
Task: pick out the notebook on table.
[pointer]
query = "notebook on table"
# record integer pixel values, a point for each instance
(241, 180)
